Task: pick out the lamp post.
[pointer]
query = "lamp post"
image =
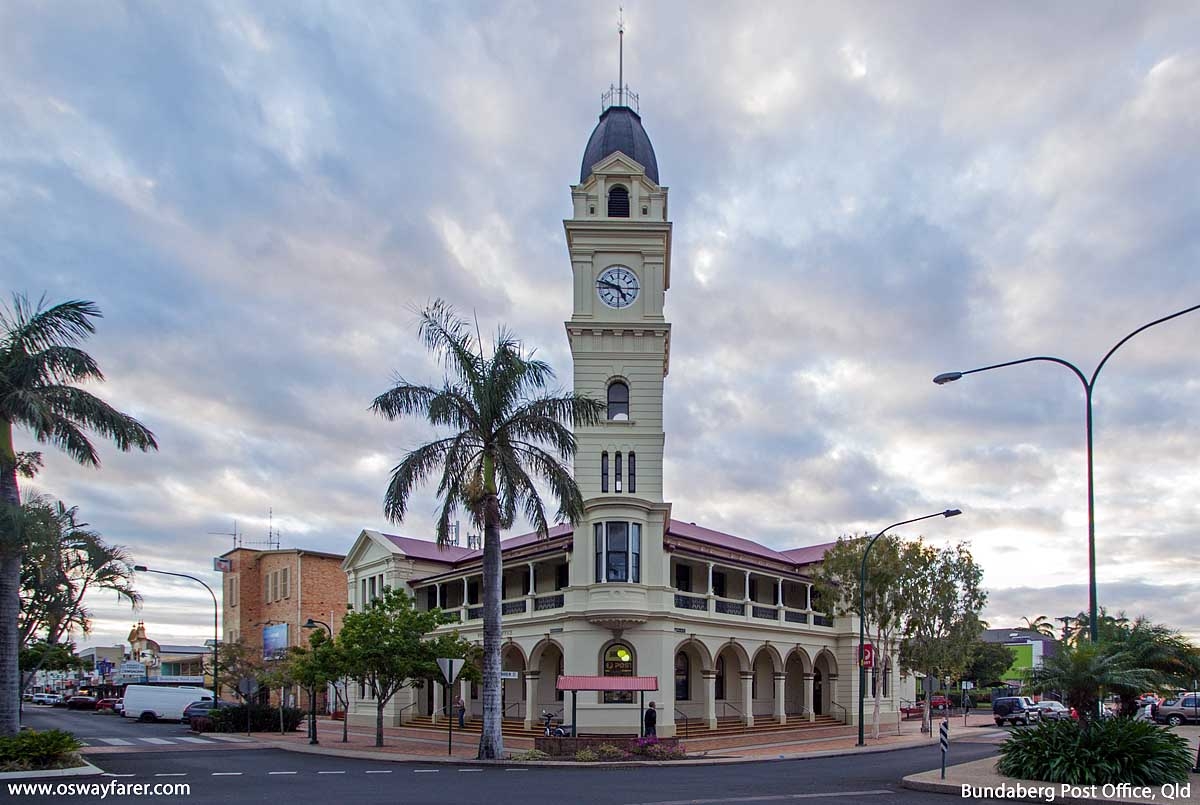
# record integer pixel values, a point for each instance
(313, 623)
(1089, 386)
(862, 609)
(216, 627)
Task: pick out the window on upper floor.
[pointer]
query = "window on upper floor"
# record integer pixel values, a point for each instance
(683, 578)
(618, 202)
(618, 400)
(617, 472)
(618, 551)
(632, 472)
(604, 471)
(284, 585)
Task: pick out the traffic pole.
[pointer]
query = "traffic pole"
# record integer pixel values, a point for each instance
(944, 739)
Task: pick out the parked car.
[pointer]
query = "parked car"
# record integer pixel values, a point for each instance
(1049, 710)
(1015, 710)
(1179, 710)
(940, 704)
(26, 697)
(106, 704)
(46, 698)
(81, 703)
(202, 709)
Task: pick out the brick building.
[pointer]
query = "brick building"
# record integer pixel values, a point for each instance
(267, 595)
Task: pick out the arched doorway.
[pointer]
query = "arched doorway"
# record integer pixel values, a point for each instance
(818, 704)
(512, 691)
(797, 700)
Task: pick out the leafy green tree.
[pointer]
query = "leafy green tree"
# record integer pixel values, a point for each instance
(314, 666)
(886, 610)
(239, 661)
(1171, 660)
(1084, 672)
(988, 663)
(389, 645)
(507, 434)
(943, 598)
(40, 367)
(62, 562)
(1040, 624)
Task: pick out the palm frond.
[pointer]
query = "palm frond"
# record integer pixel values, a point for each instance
(30, 328)
(413, 470)
(449, 335)
(90, 411)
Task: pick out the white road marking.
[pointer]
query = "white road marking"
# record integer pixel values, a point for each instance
(331, 772)
(158, 741)
(379, 771)
(281, 772)
(172, 774)
(516, 769)
(110, 774)
(464, 771)
(426, 771)
(116, 741)
(226, 774)
(193, 740)
(769, 797)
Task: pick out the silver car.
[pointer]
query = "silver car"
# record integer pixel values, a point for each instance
(1053, 711)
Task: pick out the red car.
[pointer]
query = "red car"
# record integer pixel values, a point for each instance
(106, 704)
(939, 703)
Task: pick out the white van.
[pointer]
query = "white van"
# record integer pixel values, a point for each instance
(150, 702)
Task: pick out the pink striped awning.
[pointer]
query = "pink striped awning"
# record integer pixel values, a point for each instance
(607, 683)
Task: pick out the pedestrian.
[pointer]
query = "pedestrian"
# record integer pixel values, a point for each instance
(461, 706)
(651, 721)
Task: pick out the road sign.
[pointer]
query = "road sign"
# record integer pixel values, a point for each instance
(868, 655)
(510, 674)
(247, 686)
(451, 668)
(944, 740)
(968, 685)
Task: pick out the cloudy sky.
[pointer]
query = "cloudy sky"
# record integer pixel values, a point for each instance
(864, 195)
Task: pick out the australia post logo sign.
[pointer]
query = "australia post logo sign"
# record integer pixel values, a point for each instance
(868, 655)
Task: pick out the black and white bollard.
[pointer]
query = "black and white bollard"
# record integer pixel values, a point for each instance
(944, 739)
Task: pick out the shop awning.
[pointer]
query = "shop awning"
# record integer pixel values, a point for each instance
(607, 683)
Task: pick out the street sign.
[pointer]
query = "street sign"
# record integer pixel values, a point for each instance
(510, 674)
(451, 668)
(868, 656)
(222, 565)
(247, 686)
(968, 685)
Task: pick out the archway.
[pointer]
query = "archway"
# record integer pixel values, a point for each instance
(765, 665)
(689, 689)
(824, 675)
(731, 662)
(797, 696)
(512, 690)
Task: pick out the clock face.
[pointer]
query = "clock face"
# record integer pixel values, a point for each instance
(617, 286)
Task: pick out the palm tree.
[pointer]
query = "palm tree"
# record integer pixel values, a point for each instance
(1040, 624)
(1082, 672)
(39, 365)
(506, 433)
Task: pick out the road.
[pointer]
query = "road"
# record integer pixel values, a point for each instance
(109, 729)
(269, 775)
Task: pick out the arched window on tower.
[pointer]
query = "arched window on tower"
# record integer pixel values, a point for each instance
(618, 202)
(618, 400)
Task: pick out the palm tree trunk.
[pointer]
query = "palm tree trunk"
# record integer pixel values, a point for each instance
(491, 739)
(10, 591)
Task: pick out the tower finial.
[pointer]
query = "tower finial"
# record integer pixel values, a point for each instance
(621, 56)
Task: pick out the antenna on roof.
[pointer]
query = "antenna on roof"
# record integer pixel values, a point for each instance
(237, 535)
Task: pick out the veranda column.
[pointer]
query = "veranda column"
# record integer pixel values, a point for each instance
(437, 598)
(809, 704)
(710, 698)
(531, 694)
(532, 580)
(748, 697)
(780, 710)
(710, 572)
(436, 712)
(708, 601)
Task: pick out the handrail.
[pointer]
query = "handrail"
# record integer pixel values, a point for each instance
(845, 714)
(504, 712)
(736, 709)
(686, 721)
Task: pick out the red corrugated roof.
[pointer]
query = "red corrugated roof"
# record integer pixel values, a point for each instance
(813, 553)
(607, 683)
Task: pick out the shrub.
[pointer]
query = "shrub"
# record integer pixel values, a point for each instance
(532, 754)
(200, 724)
(1117, 750)
(29, 749)
(262, 719)
(661, 751)
(586, 755)
(609, 752)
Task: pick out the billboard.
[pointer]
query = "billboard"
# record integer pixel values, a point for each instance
(275, 640)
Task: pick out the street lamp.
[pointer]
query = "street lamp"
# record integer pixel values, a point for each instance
(216, 627)
(1089, 386)
(862, 609)
(312, 623)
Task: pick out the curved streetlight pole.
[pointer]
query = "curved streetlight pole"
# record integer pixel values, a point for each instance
(216, 627)
(313, 623)
(862, 608)
(1089, 386)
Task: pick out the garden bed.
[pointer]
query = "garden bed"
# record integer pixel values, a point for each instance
(599, 748)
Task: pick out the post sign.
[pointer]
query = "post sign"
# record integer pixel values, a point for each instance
(275, 640)
(510, 674)
(247, 686)
(451, 668)
(868, 655)
(131, 672)
(222, 565)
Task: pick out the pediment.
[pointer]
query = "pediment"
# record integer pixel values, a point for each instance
(370, 546)
(618, 164)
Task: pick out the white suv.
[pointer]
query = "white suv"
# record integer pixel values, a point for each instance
(46, 698)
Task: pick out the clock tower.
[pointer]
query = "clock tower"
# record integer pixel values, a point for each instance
(619, 242)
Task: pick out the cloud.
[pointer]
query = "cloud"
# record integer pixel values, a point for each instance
(258, 197)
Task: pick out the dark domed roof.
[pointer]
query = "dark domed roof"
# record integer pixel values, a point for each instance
(619, 129)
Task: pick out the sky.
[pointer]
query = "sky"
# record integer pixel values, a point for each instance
(864, 195)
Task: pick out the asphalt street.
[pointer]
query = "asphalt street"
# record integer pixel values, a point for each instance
(269, 775)
(109, 729)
